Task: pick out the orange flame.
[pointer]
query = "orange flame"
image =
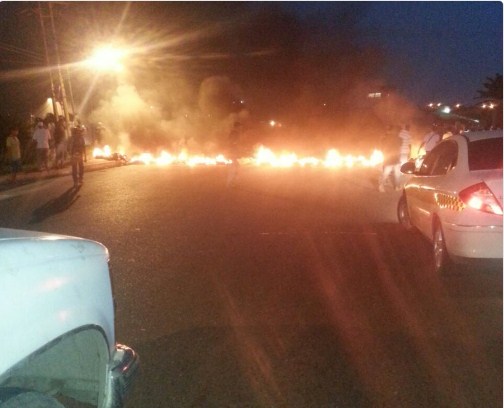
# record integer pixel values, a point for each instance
(262, 156)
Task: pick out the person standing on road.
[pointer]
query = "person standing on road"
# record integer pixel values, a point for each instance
(60, 142)
(391, 147)
(13, 152)
(43, 137)
(234, 140)
(405, 151)
(77, 147)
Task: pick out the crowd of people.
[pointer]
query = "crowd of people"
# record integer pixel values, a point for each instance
(54, 144)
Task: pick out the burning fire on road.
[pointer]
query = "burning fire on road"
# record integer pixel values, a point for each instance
(263, 156)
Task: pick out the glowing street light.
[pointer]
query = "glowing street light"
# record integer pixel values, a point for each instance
(107, 59)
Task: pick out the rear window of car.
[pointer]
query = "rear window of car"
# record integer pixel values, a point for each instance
(485, 154)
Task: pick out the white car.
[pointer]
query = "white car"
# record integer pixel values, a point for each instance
(455, 198)
(57, 324)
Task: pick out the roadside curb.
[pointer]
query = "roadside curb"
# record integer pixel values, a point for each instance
(34, 176)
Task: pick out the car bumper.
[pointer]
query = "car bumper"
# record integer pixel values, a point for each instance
(124, 368)
(473, 241)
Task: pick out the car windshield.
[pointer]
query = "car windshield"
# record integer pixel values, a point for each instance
(485, 154)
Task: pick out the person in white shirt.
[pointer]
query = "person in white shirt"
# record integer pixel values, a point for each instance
(42, 136)
(430, 140)
(391, 146)
(405, 150)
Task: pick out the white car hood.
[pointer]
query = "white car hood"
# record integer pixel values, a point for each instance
(50, 285)
(21, 248)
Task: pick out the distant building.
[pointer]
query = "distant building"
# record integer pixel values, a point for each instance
(381, 93)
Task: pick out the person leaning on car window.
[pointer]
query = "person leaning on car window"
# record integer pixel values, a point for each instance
(77, 150)
(431, 139)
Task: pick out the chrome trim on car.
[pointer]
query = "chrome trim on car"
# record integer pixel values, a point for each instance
(124, 368)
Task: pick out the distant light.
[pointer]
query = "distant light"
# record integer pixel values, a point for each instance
(446, 109)
(484, 106)
(439, 104)
(491, 106)
(431, 105)
(373, 95)
(458, 105)
(272, 123)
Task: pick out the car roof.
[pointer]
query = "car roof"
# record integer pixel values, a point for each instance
(483, 134)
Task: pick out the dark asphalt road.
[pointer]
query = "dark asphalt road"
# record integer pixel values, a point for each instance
(295, 289)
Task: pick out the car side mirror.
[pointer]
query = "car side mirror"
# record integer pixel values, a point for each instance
(408, 167)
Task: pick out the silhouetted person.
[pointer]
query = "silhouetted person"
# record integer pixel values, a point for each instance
(77, 148)
(60, 142)
(13, 152)
(234, 140)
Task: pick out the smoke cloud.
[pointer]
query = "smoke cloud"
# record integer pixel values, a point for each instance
(132, 123)
(268, 65)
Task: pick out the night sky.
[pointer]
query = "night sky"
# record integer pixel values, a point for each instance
(284, 58)
(437, 50)
(440, 50)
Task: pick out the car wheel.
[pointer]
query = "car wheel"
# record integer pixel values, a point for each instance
(31, 400)
(403, 213)
(442, 261)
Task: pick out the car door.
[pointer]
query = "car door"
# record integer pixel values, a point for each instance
(432, 183)
(414, 193)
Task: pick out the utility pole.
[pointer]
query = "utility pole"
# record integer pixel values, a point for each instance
(62, 83)
(53, 93)
(71, 92)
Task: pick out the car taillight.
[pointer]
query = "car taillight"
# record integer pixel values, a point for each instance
(481, 198)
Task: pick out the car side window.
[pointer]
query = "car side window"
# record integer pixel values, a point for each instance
(428, 163)
(447, 159)
(440, 160)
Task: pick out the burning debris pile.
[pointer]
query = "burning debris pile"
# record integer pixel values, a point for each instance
(106, 153)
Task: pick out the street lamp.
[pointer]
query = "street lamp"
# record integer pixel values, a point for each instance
(104, 59)
(107, 58)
